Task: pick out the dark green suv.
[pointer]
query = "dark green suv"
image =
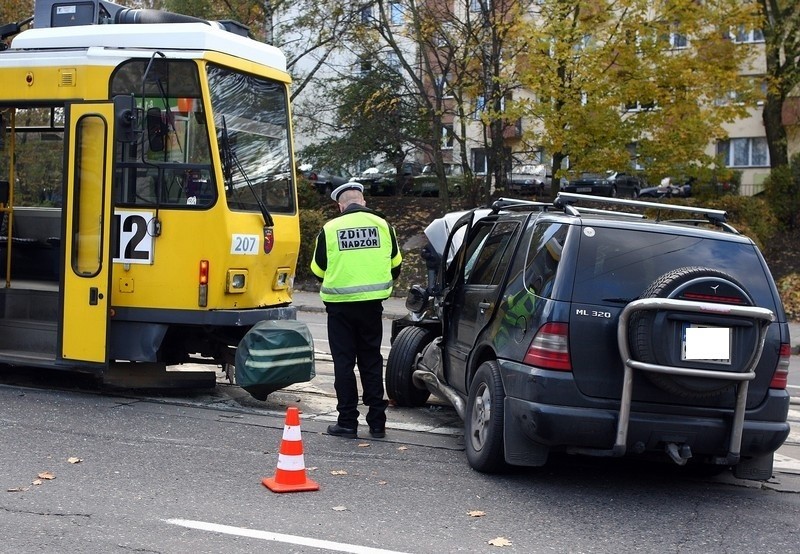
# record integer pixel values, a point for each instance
(567, 327)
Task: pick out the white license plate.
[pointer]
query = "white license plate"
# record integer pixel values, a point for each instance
(703, 343)
(584, 189)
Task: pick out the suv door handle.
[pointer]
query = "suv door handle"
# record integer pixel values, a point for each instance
(483, 306)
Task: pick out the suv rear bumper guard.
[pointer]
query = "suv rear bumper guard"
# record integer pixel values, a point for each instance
(760, 316)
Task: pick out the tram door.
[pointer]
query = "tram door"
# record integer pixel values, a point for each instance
(86, 262)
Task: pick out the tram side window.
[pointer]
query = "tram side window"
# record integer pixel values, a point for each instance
(169, 165)
(38, 154)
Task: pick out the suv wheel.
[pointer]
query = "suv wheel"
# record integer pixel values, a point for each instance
(400, 387)
(483, 420)
(646, 328)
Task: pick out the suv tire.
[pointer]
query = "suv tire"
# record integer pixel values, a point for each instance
(644, 331)
(483, 420)
(400, 387)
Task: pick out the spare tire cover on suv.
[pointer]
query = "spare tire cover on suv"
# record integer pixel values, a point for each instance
(649, 329)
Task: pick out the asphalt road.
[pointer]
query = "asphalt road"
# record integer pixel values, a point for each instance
(98, 473)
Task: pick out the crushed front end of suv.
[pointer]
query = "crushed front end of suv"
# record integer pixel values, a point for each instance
(562, 327)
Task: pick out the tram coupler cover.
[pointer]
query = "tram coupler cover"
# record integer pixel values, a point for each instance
(272, 355)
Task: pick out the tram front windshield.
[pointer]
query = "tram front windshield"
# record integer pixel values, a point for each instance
(170, 164)
(252, 121)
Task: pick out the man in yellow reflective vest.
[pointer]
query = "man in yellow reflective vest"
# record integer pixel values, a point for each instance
(357, 258)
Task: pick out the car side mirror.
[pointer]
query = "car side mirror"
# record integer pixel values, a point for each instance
(417, 299)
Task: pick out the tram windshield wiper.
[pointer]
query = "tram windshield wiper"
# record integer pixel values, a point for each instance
(230, 162)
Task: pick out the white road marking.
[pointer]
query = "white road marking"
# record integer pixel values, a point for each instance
(786, 464)
(278, 537)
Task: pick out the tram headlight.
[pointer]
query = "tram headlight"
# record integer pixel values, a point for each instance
(282, 278)
(236, 281)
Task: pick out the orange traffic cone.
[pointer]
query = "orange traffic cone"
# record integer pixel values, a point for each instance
(291, 473)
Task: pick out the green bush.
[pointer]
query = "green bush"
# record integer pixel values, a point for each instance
(789, 289)
(311, 222)
(307, 196)
(716, 183)
(782, 190)
(750, 216)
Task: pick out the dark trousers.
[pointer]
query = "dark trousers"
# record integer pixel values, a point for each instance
(355, 330)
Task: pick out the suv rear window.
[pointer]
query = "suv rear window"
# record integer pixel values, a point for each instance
(616, 265)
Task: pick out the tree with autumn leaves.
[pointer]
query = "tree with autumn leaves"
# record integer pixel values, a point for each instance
(612, 80)
(569, 67)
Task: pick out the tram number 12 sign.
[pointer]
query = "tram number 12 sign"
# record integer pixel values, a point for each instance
(134, 244)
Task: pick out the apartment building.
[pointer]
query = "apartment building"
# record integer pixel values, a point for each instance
(744, 150)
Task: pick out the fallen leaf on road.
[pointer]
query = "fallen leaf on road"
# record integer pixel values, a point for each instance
(500, 541)
(383, 482)
(338, 472)
(402, 448)
(74, 460)
(476, 513)
(46, 475)
(339, 508)
(363, 445)
(37, 482)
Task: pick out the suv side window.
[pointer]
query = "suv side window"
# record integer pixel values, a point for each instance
(488, 255)
(543, 257)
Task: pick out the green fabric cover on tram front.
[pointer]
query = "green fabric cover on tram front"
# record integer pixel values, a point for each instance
(274, 354)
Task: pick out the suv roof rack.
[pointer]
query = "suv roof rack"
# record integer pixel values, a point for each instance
(564, 199)
(510, 203)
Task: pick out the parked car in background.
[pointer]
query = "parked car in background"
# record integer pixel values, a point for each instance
(610, 183)
(668, 188)
(324, 180)
(427, 183)
(627, 184)
(596, 184)
(527, 179)
(382, 180)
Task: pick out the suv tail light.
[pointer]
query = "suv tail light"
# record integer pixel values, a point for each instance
(549, 348)
(781, 375)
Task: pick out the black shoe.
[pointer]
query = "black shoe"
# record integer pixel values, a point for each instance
(377, 433)
(339, 431)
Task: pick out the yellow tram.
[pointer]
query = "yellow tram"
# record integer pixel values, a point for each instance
(149, 207)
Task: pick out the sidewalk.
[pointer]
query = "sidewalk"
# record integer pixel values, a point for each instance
(393, 308)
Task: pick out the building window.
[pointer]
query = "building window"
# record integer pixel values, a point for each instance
(744, 36)
(392, 61)
(366, 14)
(480, 107)
(678, 41)
(447, 135)
(396, 13)
(639, 106)
(476, 6)
(443, 86)
(479, 162)
(744, 152)
(759, 86)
